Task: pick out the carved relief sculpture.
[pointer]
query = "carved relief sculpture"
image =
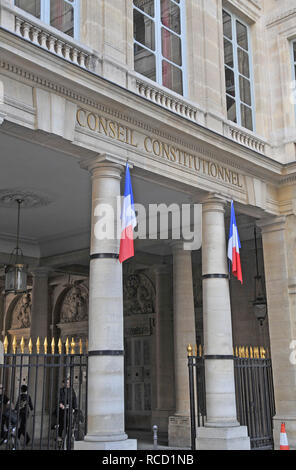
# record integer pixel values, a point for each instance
(138, 294)
(21, 317)
(74, 307)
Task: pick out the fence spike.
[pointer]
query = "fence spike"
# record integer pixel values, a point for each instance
(73, 346)
(5, 344)
(30, 346)
(195, 350)
(45, 345)
(189, 350)
(38, 345)
(80, 346)
(200, 350)
(251, 352)
(52, 346)
(14, 345)
(60, 346)
(67, 345)
(22, 344)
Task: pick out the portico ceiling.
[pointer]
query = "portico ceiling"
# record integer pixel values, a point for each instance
(59, 219)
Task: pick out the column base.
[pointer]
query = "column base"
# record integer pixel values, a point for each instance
(179, 432)
(222, 438)
(127, 444)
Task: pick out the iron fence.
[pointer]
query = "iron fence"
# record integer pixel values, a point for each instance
(43, 402)
(254, 393)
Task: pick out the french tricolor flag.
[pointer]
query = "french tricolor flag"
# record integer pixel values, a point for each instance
(128, 220)
(234, 247)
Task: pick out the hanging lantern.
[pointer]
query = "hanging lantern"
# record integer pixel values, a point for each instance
(260, 302)
(16, 270)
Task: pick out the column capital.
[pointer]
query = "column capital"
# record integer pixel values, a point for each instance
(105, 164)
(271, 224)
(41, 271)
(178, 246)
(214, 202)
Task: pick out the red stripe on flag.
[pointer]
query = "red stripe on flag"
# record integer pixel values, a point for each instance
(126, 249)
(236, 265)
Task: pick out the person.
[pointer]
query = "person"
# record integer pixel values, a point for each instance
(67, 395)
(23, 406)
(4, 403)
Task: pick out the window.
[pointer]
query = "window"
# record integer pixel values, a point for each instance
(238, 71)
(294, 73)
(159, 41)
(61, 14)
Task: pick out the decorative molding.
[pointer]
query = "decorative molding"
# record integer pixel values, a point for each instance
(21, 315)
(8, 198)
(282, 15)
(138, 295)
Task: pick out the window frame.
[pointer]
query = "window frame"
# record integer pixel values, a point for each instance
(159, 57)
(237, 74)
(45, 16)
(293, 64)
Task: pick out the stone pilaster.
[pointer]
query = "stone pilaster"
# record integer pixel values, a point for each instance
(222, 430)
(184, 333)
(278, 239)
(106, 427)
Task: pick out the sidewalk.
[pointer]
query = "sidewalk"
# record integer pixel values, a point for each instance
(145, 441)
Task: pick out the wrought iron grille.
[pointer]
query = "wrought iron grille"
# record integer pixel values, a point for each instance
(254, 393)
(43, 403)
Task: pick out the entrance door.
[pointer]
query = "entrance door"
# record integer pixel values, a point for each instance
(138, 382)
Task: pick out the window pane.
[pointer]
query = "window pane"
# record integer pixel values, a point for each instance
(146, 5)
(144, 62)
(170, 15)
(228, 53)
(144, 30)
(62, 16)
(172, 77)
(246, 117)
(245, 90)
(231, 109)
(243, 62)
(229, 80)
(171, 46)
(31, 6)
(242, 35)
(227, 30)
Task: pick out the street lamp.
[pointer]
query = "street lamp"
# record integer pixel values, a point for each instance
(260, 303)
(16, 271)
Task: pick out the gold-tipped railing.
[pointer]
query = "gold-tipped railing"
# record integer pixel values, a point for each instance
(242, 352)
(69, 348)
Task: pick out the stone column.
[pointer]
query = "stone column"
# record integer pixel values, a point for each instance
(184, 333)
(279, 250)
(106, 428)
(40, 309)
(165, 401)
(40, 321)
(222, 430)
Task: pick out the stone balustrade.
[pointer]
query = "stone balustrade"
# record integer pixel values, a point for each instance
(54, 43)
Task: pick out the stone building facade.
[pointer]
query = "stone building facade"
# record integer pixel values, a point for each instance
(199, 97)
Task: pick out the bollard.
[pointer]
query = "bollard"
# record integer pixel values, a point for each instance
(155, 428)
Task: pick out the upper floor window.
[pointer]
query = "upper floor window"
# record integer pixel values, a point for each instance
(159, 42)
(294, 70)
(61, 14)
(238, 71)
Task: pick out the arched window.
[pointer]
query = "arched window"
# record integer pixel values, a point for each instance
(60, 14)
(159, 42)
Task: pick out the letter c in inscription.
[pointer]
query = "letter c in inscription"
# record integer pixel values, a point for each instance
(145, 144)
(78, 117)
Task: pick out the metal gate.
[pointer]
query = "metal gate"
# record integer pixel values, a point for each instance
(254, 393)
(44, 395)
